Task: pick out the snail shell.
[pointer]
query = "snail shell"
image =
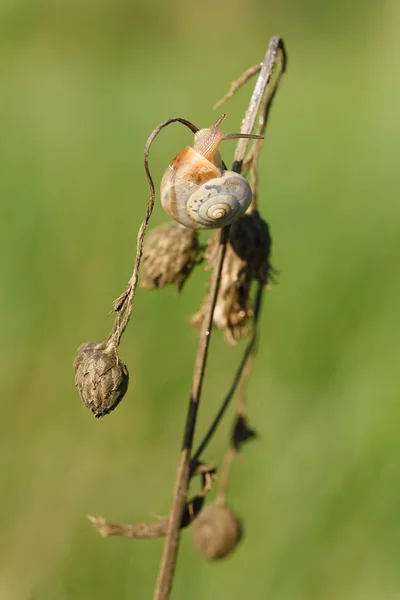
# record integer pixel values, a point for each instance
(197, 191)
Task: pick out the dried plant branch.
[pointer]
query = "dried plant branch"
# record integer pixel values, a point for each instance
(240, 432)
(124, 303)
(100, 375)
(143, 530)
(159, 529)
(275, 46)
(251, 161)
(102, 378)
(168, 560)
(171, 546)
(229, 457)
(238, 83)
(242, 368)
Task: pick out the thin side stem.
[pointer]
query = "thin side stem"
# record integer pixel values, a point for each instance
(159, 528)
(124, 303)
(235, 383)
(142, 531)
(237, 83)
(229, 457)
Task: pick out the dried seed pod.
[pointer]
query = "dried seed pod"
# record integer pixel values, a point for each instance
(216, 531)
(100, 376)
(169, 255)
(247, 259)
(251, 241)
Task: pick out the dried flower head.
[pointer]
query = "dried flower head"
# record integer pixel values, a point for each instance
(169, 255)
(246, 260)
(251, 241)
(100, 376)
(216, 531)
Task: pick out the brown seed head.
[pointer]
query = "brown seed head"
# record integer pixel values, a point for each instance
(101, 377)
(251, 241)
(169, 255)
(246, 260)
(216, 531)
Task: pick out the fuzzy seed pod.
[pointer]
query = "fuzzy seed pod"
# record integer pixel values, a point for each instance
(246, 260)
(101, 377)
(216, 531)
(169, 255)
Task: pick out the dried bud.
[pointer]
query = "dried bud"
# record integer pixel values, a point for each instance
(169, 255)
(101, 377)
(251, 241)
(247, 259)
(216, 531)
(241, 433)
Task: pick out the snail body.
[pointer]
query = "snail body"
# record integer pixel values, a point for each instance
(197, 191)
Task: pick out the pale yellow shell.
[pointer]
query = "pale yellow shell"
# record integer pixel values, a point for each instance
(199, 195)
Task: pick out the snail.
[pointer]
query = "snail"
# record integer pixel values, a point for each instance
(196, 189)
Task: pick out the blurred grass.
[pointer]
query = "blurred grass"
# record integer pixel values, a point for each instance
(83, 85)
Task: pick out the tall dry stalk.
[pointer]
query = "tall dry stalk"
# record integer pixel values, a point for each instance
(239, 256)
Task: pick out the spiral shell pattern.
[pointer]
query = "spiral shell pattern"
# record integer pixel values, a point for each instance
(197, 194)
(219, 202)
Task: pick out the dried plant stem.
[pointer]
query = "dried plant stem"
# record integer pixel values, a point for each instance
(237, 83)
(240, 383)
(276, 45)
(143, 530)
(242, 388)
(171, 546)
(124, 303)
(170, 552)
(229, 457)
(251, 161)
(159, 528)
(241, 374)
(233, 450)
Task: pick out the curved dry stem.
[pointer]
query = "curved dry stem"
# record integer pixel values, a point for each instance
(124, 303)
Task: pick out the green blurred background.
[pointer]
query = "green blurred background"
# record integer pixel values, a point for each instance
(82, 86)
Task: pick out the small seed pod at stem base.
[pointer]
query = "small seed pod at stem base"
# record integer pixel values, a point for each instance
(216, 531)
(197, 191)
(100, 376)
